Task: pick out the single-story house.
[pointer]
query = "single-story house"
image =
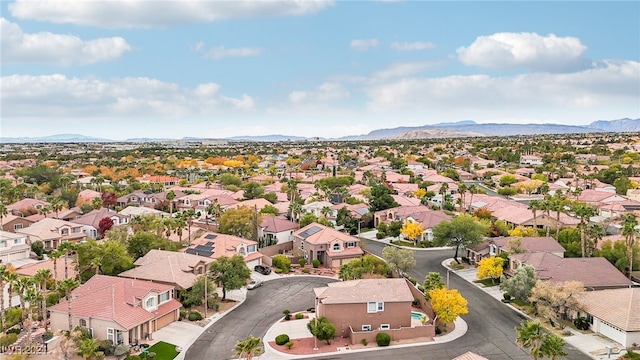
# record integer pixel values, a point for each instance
(614, 313)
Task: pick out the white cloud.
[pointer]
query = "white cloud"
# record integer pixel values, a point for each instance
(529, 50)
(326, 92)
(59, 96)
(145, 14)
(221, 52)
(46, 47)
(363, 44)
(406, 46)
(606, 86)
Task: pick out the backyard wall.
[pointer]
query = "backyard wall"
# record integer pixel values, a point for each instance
(421, 331)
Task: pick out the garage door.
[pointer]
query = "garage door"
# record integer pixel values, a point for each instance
(165, 320)
(612, 332)
(251, 264)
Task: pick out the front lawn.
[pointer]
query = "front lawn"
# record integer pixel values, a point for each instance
(488, 282)
(163, 350)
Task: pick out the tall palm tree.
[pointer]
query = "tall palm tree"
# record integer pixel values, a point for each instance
(558, 202)
(546, 206)
(472, 190)
(57, 204)
(33, 296)
(11, 279)
(55, 255)
(629, 231)
(529, 335)
(248, 348)
(3, 278)
(21, 285)
(43, 277)
(66, 286)
(534, 206)
(66, 248)
(584, 212)
(553, 347)
(170, 196)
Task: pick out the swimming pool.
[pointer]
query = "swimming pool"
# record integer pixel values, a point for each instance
(416, 316)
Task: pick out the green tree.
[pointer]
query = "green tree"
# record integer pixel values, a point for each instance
(307, 219)
(520, 284)
(227, 179)
(570, 240)
(87, 348)
(195, 295)
(366, 266)
(252, 190)
(381, 198)
(461, 231)
(140, 244)
(238, 222)
(630, 232)
(433, 280)
(269, 210)
(584, 212)
(231, 272)
(530, 336)
(43, 277)
(506, 180)
(66, 286)
(248, 348)
(322, 329)
(400, 260)
(171, 195)
(617, 253)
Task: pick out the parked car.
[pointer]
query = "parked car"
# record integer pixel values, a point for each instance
(254, 284)
(262, 269)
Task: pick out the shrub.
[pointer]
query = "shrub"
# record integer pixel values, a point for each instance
(13, 331)
(8, 339)
(282, 339)
(438, 330)
(195, 316)
(289, 345)
(364, 342)
(299, 316)
(630, 355)
(506, 297)
(412, 280)
(151, 355)
(383, 339)
(421, 288)
(281, 262)
(380, 235)
(183, 314)
(278, 270)
(287, 314)
(302, 261)
(52, 299)
(315, 263)
(306, 271)
(581, 323)
(415, 302)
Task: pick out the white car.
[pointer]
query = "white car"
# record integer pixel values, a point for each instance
(254, 284)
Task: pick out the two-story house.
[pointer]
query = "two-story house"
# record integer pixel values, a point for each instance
(178, 269)
(13, 223)
(118, 309)
(361, 308)
(331, 247)
(276, 230)
(13, 247)
(52, 232)
(214, 245)
(91, 221)
(27, 206)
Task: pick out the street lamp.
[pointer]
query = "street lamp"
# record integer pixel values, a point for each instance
(448, 271)
(315, 319)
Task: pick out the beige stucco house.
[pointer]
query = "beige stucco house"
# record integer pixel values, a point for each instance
(331, 247)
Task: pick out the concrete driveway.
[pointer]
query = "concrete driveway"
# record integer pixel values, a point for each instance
(179, 333)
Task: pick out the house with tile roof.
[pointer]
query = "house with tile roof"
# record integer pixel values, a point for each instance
(361, 308)
(57, 268)
(495, 246)
(91, 221)
(329, 246)
(52, 232)
(13, 223)
(214, 245)
(118, 309)
(178, 269)
(276, 229)
(27, 206)
(614, 313)
(594, 273)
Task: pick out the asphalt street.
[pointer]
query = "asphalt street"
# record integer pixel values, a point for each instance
(491, 324)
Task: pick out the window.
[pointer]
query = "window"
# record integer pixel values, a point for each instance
(3, 244)
(150, 303)
(302, 245)
(17, 226)
(83, 322)
(366, 327)
(336, 247)
(492, 249)
(64, 231)
(373, 306)
(17, 241)
(351, 244)
(251, 248)
(385, 327)
(163, 297)
(111, 334)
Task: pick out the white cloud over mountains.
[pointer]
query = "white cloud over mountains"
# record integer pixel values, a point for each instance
(46, 47)
(114, 14)
(523, 50)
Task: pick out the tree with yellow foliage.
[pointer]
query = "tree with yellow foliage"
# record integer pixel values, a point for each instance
(522, 231)
(411, 230)
(490, 267)
(420, 193)
(447, 304)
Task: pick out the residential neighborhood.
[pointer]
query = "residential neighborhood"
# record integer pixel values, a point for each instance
(103, 253)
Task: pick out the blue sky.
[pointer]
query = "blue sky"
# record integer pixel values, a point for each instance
(123, 69)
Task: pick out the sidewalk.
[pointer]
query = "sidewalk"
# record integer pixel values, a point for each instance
(591, 344)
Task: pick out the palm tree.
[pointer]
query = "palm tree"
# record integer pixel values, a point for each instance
(559, 201)
(33, 296)
(3, 212)
(87, 348)
(629, 231)
(546, 206)
(57, 204)
(529, 336)
(21, 285)
(584, 212)
(66, 248)
(189, 215)
(248, 348)
(11, 279)
(66, 286)
(472, 190)
(4, 272)
(55, 255)
(534, 206)
(170, 196)
(43, 277)
(553, 347)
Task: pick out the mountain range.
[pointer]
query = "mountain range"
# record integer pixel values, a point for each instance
(465, 128)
